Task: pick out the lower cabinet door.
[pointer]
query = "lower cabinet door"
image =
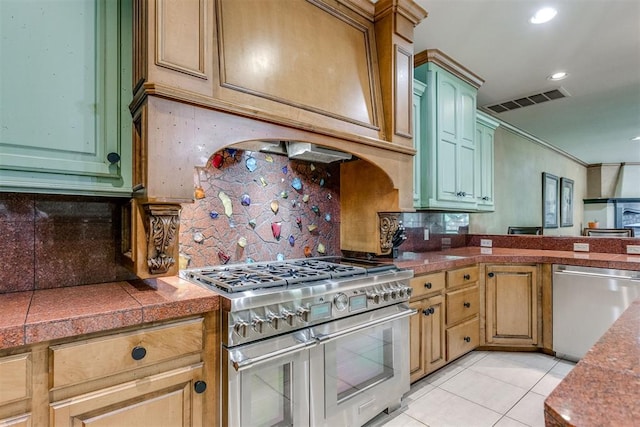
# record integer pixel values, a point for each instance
(166, 399)
(463, 338)
(427, 341)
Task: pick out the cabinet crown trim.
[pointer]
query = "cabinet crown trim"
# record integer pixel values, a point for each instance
(451, 65)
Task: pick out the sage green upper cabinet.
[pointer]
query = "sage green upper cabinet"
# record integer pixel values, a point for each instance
(65, 86)
(447, 168)
(418, 92)
(485, 130)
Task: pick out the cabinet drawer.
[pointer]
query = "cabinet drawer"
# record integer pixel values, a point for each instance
(15, 373)
(462, 304)
(100, 357)
(463, 338)
(427, 284)
(462, 276)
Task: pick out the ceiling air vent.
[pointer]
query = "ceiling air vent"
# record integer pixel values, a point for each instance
(525, 101)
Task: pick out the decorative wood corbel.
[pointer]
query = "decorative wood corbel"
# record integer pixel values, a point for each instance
(162, 236)
(388, 226)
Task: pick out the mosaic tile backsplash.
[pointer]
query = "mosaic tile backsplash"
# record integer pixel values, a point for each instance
(253, 206)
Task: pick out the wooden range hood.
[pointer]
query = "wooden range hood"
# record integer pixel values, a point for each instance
(212, 73)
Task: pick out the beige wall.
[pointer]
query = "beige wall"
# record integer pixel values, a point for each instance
(519, 163)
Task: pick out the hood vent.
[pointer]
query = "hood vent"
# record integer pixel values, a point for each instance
(314, 153)
(525, 101)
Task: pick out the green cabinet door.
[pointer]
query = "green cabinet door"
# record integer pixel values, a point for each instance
(65, 84)
(485, 131)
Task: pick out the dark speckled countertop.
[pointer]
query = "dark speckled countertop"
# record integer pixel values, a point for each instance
(49, 314)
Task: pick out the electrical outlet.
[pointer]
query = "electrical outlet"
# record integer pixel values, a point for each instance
(446, 241)
(633, 249)
(426, 234)
(486, 243)
(581, 247)
(486, 251)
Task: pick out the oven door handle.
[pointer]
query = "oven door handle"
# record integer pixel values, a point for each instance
(241, 365)
(324, 338)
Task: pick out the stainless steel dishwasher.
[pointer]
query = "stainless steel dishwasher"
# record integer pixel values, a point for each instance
(586, 302)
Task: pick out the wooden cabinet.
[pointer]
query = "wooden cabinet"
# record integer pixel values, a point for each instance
(427, 345)
(513, 305)
(418, 128)
(485, 130)
(448, 162)
(162, 374)
(462, 298)
(170, 398)
(65, 125)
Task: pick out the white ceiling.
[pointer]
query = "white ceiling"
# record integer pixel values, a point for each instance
(596, 41)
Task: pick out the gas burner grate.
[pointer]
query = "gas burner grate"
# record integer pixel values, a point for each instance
(333, 269)
(235, 279)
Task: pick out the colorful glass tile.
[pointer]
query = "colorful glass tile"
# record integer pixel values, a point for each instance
(231, 151)
(198, 237)
(251, 164)
(276, 228)
(296, 184)
(307, 251)
(263, 182)
(292, 240)
(250, 261)
(245, 200)
(252, 223)
(311, 227)
(268, 158)
(242, 242)
(226, 202)
(327, 217)
(321, 182)
(280, 257)
(199, 193)
(224, 258)
(312, 167)
(285, 170)
(284, 194)
(321, 249)
(306, 198)
(275, 206)
(214, 215)
(315, 209)
(299, 222)
(217, 160)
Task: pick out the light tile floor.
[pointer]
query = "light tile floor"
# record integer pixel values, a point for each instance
(501, 389)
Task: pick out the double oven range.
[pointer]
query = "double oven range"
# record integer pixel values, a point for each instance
(311, 342)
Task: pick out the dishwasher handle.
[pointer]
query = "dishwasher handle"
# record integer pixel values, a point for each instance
(592, 274)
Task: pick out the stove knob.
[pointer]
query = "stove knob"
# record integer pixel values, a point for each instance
(394, 293)
(241, 328)
(303, 314)
(386, 295)
(375, 297)
(409, 290)
(257, 324)
(341, 301)
(401, 292)
(287, 316)
(274, 320)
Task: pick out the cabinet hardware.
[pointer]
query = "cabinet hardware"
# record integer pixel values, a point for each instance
(491, 274)
(467, 339)
(466, 277)
(200, 386)
(428, 311)
(467, 304)
(138, 353)
(428, 285)
(113, 158)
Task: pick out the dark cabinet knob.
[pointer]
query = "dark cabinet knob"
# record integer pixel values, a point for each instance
(491, 274)
(466, 277)
(467, 339)
(113, 158)
(467, 304)
(428, 311)
(428, 285)
(200, 386)
(432, 310)
(138, 353)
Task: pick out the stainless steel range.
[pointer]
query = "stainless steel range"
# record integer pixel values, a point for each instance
(314, 341)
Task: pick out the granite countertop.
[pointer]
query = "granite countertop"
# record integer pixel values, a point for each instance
(44, 315)
(49, 314)
(603, 389)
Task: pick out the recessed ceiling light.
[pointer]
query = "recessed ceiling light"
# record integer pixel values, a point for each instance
(543, 15)
(558, 76)
(637, 138)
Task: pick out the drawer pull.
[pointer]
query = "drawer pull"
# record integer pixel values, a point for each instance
(466, 277)
(428, 285)
(200, 386)
(138, 353)
(467, 304)
(467, 339)
(428, 311)
(491, 274)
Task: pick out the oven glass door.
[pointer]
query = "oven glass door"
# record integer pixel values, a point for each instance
(362, 368)
(268, 386)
